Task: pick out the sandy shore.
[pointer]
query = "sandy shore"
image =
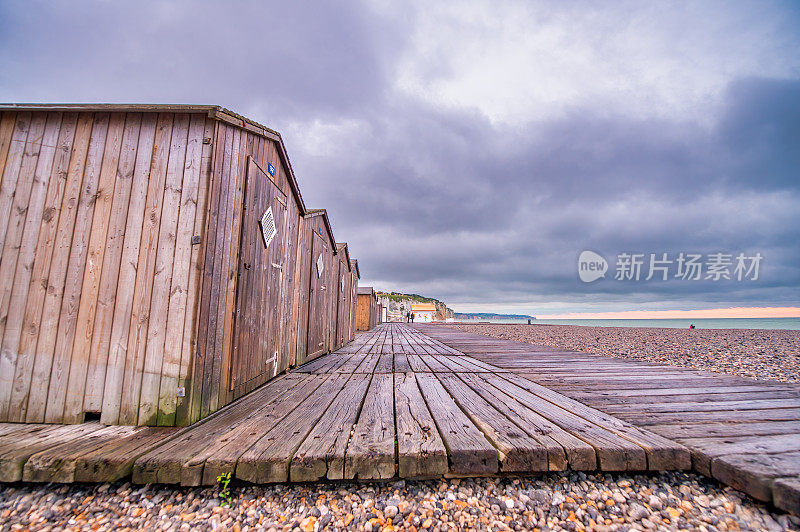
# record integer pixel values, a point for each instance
(757, 353)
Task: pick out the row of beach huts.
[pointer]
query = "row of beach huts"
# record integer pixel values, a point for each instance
(158, 262)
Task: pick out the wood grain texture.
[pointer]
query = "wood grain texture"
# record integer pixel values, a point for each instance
(175, 360)
(18, 145)
(16, 361)
(217, 263)
(48, 404)
(712, 415)
(210, 276)
(162, 274)
(786, 494)
(370, 452)
(112, 191)
(57, 463)
(421, 451)
(24, 217)
(119, 366)
(468, 450)
(15, 452)
(8, 122)
(145, 273)
(191, 322)
(268, 460)
(322, 453)
(562, 447)
(222, 457)
(169, 463)
(138, 130)
(38, 344)
(755, 473)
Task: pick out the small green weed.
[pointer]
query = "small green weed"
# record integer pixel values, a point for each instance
(225, 490)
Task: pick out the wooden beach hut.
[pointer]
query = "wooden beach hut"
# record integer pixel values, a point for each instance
(316, 294)
(367, 309)
(149, 267)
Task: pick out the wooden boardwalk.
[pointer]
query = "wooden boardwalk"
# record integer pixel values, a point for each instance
(743, 432)
(393, 403)
(426, 401)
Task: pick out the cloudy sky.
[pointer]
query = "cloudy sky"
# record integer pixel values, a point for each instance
(471, 151)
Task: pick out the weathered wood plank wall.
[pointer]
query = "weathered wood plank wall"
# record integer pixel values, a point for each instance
(135, 283)
(103, 208)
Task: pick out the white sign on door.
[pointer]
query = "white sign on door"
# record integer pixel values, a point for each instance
(320, 265)
(268, 229)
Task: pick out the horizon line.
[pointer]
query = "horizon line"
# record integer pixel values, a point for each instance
(729, 312)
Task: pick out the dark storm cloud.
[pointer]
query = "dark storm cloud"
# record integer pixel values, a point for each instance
(441, 199)
(504, 214)
(289, 57)
(763, 128)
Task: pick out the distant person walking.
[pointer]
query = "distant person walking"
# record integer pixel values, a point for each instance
(412, 317)
(408, 317)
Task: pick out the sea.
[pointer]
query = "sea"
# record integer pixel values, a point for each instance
(699, 323)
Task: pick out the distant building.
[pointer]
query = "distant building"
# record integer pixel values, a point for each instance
(424, 312)
(397, 305)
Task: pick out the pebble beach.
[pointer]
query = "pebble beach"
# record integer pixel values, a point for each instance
(570, 501)
(757, 353)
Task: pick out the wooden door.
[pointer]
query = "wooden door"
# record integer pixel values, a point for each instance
(342, 316)
(261, 263)
(316, 297)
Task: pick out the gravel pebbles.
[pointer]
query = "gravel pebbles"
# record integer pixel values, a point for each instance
(569, 501)
(757, 353)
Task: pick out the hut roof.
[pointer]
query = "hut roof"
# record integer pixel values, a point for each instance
(341, 247)
(354, 265)
(422, 307)
(324, 213)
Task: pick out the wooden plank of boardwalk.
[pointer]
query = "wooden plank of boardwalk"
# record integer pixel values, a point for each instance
(330, 432)
(421, 451)
(394, 402)
(17, 448)
(468, 450)
(321, 454)
(370, 451)
(743, 432)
